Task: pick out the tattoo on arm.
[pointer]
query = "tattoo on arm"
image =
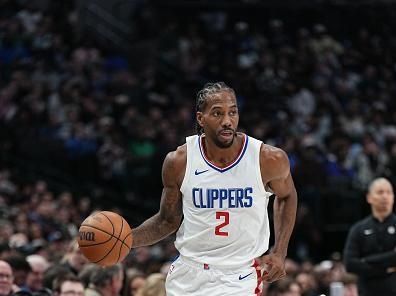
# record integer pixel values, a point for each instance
(168, 219)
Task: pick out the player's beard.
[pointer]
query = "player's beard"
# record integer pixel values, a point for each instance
(224, 145)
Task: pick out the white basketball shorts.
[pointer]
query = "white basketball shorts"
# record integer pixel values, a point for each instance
(186, 277)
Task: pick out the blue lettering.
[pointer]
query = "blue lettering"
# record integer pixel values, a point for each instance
(215, 195)
(239, 197)
(201, 198)
(221, 198)
(231, 197)
(208, 197)
(194, 190)
(248, 199)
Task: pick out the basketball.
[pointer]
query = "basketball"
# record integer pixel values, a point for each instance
(105, 238)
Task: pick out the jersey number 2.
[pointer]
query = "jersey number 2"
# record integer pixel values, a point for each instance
(221, 215)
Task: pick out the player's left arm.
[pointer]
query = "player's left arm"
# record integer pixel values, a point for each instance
(276, 176)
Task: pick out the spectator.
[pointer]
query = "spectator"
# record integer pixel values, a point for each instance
(134, 283)
(6, 231)
(153, 286)
(307, 284)
(35, 278)
(73, 261)
(106, 281)
(86, 273)
(5, 251)
(20, 268)
(350, 284)
(68, 285)
(286, 286)
(6, 279)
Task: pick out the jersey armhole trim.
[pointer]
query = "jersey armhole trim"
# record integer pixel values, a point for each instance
(259, 178)
(188, 165)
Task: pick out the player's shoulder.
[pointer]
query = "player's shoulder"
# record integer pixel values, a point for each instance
(175, 165)
(272, 154)
(178, 157)
(179, 153)
(274, 162)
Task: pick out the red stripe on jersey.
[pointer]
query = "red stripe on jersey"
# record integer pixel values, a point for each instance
(240, 154)
(258, 289)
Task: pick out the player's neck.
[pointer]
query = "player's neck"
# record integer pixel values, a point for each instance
(222, 157)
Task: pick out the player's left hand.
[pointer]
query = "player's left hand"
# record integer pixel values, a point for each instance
(274, 267)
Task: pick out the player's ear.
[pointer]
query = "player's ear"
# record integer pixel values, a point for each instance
(200, 119)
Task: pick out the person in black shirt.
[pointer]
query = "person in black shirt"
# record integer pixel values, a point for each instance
(370, 249)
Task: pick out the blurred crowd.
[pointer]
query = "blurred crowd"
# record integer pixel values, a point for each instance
(99, 121)
(73, 275)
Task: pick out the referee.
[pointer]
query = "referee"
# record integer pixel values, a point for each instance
(370, 250)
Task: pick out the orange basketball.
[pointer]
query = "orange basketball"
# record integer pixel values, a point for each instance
(105, 238)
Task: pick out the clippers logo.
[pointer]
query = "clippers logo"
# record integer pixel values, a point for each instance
(87, 235)
(222, 197)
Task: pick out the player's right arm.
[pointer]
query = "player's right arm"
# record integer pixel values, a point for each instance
(169, 217)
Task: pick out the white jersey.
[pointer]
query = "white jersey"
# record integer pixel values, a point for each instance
(225, 209)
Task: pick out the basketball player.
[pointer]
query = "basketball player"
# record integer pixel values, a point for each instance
(216, 191)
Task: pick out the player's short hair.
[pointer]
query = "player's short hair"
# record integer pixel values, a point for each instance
(206, 92)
